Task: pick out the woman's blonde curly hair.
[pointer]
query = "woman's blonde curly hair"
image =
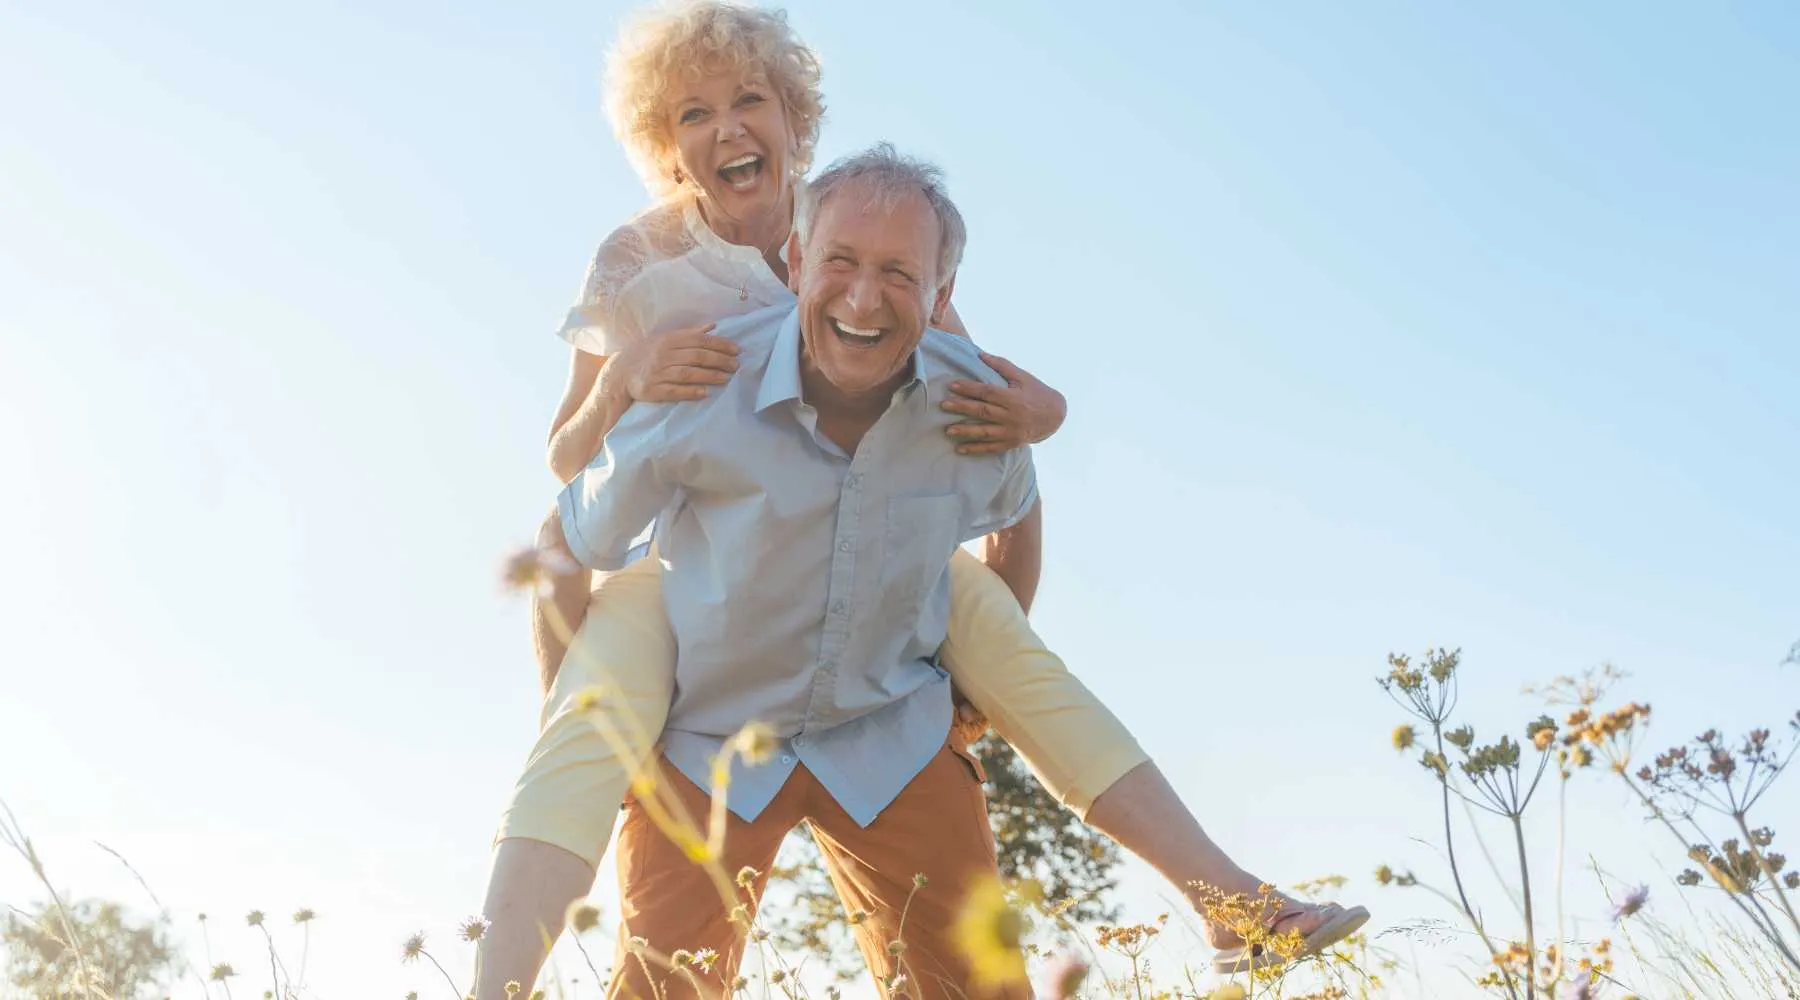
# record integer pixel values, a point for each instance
(696, 38)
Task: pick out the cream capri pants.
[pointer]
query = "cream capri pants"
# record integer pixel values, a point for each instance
(574, 782)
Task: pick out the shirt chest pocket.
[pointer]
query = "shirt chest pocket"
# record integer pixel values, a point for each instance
(921, 534)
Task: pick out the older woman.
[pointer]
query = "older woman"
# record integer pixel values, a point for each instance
(719, 108)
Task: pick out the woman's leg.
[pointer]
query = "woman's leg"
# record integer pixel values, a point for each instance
(1078, 749)
(566, 802)
(575, 778)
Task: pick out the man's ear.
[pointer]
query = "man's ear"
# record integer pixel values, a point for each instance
(793, 262)
(941, 304)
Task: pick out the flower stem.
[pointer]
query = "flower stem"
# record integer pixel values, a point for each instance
(1518, 826)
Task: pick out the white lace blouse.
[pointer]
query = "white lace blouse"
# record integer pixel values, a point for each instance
(662, 270)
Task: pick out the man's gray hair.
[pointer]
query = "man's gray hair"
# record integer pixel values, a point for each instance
(890, 176)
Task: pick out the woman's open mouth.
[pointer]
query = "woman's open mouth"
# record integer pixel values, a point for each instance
(742, 173)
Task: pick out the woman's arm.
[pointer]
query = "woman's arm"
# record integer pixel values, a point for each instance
(1001, 418)
(591, 404)
(663, 367)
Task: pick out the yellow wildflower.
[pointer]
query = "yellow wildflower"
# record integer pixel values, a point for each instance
(988, 933)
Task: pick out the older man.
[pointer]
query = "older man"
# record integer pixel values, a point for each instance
(816, 504)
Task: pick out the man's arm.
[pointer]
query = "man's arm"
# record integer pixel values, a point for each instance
(597, 517)
(608, 503)
(1016, 554)
(1013, 523)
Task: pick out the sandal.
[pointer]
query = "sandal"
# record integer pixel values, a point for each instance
(1339, 924)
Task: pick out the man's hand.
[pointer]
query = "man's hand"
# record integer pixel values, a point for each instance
(672, 366)
(1023, 411)
(968, 724)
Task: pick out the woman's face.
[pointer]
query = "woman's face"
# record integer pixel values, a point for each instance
(732, 141)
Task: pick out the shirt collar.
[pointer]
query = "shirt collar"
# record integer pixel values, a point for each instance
(781, 380)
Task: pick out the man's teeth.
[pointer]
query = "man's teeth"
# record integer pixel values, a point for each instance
(856, 332)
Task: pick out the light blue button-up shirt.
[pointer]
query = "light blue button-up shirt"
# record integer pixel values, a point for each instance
(808, 588)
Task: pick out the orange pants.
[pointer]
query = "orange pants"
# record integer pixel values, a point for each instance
(937, 827)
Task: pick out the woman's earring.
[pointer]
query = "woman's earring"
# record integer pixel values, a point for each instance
(678, 177)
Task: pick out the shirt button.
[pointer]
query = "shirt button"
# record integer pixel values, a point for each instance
(856, 479)
(786, 759)
(843, 546)
(799, 741)
(837, 608)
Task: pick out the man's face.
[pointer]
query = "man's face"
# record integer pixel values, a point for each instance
(868, 285)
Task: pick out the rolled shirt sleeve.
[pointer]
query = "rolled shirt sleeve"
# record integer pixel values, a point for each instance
(1015, 497)
(608, 504)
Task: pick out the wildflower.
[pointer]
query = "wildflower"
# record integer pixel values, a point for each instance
(920, 881)
(1688, 877)
(1633, 902)
(988, 933)
(1436, 763)
(1066, 975)
(778, 977)
(513, 988)
(704, 959)
(756, 743)
(583, 916)
(1230, 991)
(222, 972)
(1460, 737)
(255, 918)
(1384, 875)
(413, 948)
(681, 957)
(535, 569)
(739, 983)
(637, 945)
(303, 915)
(746, 877)
(1404, 737)
(412, 995)
(896, 948)
(857, 917)
(473, 928)
(833, 993)
(896, 982)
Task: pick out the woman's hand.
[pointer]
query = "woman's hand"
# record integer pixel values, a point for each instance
(676, 365)
(1021, 412)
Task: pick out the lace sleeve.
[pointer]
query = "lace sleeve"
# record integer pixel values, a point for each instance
(598, 324)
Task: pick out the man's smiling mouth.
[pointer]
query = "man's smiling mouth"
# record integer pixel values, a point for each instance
(856, 336)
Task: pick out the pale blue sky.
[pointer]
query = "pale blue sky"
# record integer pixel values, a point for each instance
(1382, 325)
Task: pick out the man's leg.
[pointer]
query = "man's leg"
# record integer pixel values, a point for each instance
(937, 828)
(674, 904)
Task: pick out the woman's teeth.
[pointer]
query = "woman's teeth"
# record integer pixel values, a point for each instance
(742, 172)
